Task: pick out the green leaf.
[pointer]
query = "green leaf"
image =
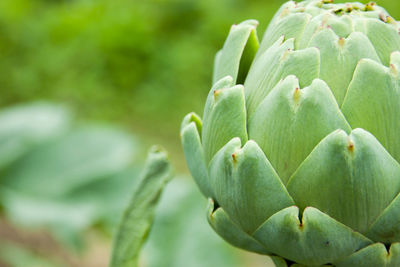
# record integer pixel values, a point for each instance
(261, 78)
(339, 58)
(290, 26)
(246, 186)
(290, 122)
(341, 25)
(230, 231)
(372, 256)
(35, 211)
(238, 52)
(386, 228)
(66, 217)
(279, 61)
(181, 236)
(24, 126)
(383, 36)
(304, 64)
(61, 165)
(373, 102)
(108, 196)
(316, 239)
(352, 178)
(138, 216)
(217, 58)
(225, 82)
(98, 202)
(225, 109)
(194, 153)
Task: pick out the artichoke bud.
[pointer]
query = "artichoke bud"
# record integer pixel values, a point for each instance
(298, 148)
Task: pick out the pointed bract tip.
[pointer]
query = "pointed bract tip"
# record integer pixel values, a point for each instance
(285, 12)
(212, 208)
(391, 20)
(296, 94)
(285, 54)
(216, 93)
(393, 69)
(234, 157)
(341, 41)
(350, 146)
(370, 6)
(281, 40)
(224, 82)
(349, 8)
(383, 17)
(251, 22)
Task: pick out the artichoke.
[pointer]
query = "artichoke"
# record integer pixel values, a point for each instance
(298, 149)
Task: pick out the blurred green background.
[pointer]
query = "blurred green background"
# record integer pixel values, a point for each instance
(128, 71)
(140, 64)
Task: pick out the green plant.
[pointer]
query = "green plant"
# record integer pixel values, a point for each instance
(309, 175)
(61, 176)
(67, 182)
(138, 216)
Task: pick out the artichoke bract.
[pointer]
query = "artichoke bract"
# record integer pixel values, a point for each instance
(298, 149)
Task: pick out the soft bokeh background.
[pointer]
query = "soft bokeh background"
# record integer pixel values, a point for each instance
(85, 87)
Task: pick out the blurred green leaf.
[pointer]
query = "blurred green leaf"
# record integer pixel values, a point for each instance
(118, 60)
(71, 182)
(76, 159)
(138, 217)
(23, 126)
(121, 60)
(100, 202)
(181, 236)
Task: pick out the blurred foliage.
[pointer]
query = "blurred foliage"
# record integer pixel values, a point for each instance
(65, 178)
(181, 236)
(144, 64)
(138, 215)
(138, 62)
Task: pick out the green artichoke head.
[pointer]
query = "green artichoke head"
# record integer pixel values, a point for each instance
(298, 149)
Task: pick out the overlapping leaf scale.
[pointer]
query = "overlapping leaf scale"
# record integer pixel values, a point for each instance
(380, 118)
(373, 256)
(276, 63)
(373, 102)
(352, 178)
(384, 36)
(225, 109)
(342, 26)
(309, 52)
(378, 26)
(386, 228)
(340, 41)
(237, 53)
(255, 190)
(194, 153)
(289, 26)
(230, 231)
(314, 240)
(339, 58)
(290, 122)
